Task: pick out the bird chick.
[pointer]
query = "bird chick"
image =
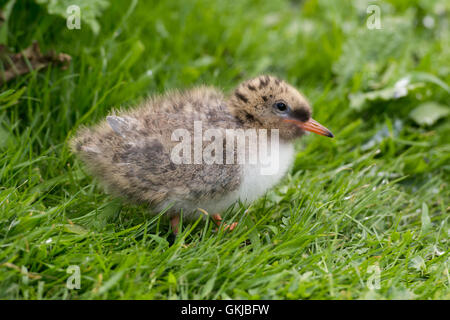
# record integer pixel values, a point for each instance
(157, 152)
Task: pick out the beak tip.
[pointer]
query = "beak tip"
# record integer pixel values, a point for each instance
(312, 126)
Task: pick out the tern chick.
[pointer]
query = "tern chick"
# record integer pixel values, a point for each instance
(137, 153)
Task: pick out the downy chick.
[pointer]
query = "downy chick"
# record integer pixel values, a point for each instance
(133, 154)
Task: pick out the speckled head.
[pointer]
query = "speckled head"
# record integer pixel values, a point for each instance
(271, 103)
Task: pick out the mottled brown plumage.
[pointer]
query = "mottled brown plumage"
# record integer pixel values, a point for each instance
(130, 151)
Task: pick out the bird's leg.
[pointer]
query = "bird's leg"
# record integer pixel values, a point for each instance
(174, 223)
(218, 219)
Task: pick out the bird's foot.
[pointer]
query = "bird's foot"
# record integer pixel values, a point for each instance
(218, 220)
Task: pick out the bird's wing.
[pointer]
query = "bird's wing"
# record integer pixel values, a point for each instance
(132, 156)
(122, 125)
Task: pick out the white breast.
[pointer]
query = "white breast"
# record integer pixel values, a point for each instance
(256, 180)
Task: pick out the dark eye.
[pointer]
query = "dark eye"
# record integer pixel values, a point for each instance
(280, 106)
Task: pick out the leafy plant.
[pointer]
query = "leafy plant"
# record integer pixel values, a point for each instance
(429, 112)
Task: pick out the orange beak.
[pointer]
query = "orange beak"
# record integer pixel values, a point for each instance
(313, 126)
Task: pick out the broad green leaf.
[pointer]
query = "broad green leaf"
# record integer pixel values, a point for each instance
(400, 89)
(73, 228)
(428, 77)
(428, 113)
(171, 279)
(207, 288)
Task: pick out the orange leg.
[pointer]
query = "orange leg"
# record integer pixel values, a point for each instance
(174, 223)
(218, 219)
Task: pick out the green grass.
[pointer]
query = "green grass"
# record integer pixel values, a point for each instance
(375, 198)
